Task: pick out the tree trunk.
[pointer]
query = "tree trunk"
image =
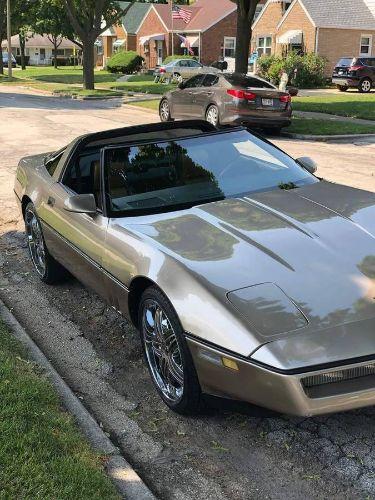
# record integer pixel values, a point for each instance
(1, 58)
(55, 53)
(22, 51)
(88, 64)
(242, 42)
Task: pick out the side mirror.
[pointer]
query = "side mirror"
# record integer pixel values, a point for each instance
(308, 164)
(181, 85)
(81, 204)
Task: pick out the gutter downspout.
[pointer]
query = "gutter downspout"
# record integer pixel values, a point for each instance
(316, 40)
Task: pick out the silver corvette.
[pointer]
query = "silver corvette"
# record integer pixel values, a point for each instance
(247, 276)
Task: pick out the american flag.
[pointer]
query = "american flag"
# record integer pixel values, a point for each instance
(180, 13)
(186, 42)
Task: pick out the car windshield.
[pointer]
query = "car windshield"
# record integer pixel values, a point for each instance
(172, 175)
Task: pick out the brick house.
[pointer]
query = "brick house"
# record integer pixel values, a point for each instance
(330, 28)
(149, 30)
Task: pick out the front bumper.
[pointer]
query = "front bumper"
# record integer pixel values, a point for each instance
(346, 82)
(281, 392)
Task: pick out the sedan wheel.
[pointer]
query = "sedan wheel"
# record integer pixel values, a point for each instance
(212, 115)
(176, 77)
(167, 354)
(48, 269)
(164, 111)
(365, 85)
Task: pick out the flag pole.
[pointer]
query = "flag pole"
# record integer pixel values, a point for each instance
(172, 29)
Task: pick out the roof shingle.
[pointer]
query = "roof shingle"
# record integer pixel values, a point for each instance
(345, 14)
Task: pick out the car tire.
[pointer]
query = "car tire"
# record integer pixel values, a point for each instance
(365, 86)
(212, 115)
(167, 354)
(47, 268)
(165, 111)
(342, 88)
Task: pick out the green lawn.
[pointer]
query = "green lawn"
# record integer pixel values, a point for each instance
(42, 454)
(327, 127)
(352, 104)
(152, 104)
(68, 78)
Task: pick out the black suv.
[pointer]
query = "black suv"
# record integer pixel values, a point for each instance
(357, 72)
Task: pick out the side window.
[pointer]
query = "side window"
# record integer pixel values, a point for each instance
(184, 63)
(83, 175)
(51, 164)
(210, 80)
(194, 64)
(195, 81)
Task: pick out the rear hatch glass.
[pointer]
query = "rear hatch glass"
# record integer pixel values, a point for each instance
(248, 82)
(343, 65)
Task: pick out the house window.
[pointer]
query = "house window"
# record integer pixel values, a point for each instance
(258, 10)
(286, 5)
(229, 46)
(366, 44)
(264, 46)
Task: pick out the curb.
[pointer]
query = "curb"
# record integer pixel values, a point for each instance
(326, 138)
(125, 478)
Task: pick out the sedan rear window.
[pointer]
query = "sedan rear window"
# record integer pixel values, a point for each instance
(173, 175)
(248, 82)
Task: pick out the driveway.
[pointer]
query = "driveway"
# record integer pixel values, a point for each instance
(233, 450)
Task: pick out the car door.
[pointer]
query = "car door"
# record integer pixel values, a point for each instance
(184, 69)
(76, 240)
(183, 99)
(205, 94)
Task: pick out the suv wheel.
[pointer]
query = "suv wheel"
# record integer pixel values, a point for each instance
(342, 88)
(365, 85)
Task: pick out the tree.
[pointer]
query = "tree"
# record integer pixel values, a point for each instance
(245, 16)
(2, 31)
(22, 13)
(90, 18)
(50, 19)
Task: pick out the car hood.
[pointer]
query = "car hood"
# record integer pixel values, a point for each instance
(316, 244)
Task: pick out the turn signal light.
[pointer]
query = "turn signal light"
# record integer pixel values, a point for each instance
(229, 363)
(242, 94)
(285, 98)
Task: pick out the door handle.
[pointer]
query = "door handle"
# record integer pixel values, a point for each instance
(51, 201)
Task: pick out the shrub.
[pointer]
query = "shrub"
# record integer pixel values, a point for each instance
(305, 71)
(173, 58)
(61, 61)
(125, 62)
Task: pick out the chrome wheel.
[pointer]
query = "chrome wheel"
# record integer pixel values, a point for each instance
(366, 86)
(162, 351)
(35, 242)
(164, 111)
(212, 115)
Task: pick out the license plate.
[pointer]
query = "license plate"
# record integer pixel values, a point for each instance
(267, 102)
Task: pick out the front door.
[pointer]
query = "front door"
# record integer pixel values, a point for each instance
(183, 100)
(159, 51)
(230, 52)
(42, 55)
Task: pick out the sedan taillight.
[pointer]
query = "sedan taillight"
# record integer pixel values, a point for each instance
(162, 70)
(285, 98)
(242, 94)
